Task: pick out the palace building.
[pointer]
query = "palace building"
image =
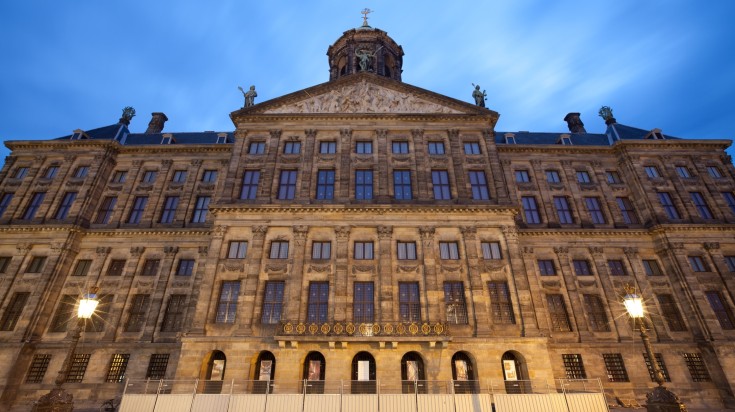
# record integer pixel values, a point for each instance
(367, 230)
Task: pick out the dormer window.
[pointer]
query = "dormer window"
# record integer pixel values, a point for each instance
(510, 138)
(565, 139)
(168, 139)
(221, 138)
(79, 135)
(655, 134)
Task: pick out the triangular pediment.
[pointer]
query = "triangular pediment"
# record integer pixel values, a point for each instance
(364, 93)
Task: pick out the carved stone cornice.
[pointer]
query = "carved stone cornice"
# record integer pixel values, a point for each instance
(385, 232)
(259, 232)
(136, 251)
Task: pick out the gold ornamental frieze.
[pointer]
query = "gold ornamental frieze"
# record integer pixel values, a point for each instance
(364, 329)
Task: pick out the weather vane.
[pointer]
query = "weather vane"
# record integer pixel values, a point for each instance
(365, 12)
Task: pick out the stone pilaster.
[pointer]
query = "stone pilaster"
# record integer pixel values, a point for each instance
(248, 312)
(158, 300)
(476, 308)
(342, 293)
(297, 282)
(385, 269)
(569, 283)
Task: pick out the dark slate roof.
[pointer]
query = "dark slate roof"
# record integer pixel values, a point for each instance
(102, 133)
(584, 139)
(623, 132)
(125, 137)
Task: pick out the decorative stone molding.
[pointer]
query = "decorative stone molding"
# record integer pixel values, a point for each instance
(381, 132)
(527, 251)
(219, 231)
(58, 247)
(363, 158)
(400, 158)
(566, 163)
(23, 248)
(137, 163)
(39, 158)
(103, 251)
(438, 159)
(446, 267)
(711, 245)
(299, 234)
(676, 245)
(181, 284)
(203, 251)
(320, 268)
(196, 162)
(144, 187)
(596, 251)
(229, 266)
(310, 133)
(561, 251)
(276, 268)
(143, 283)
(587, 283)
(342, 232)
(290, 158)
(136, 251)
(417, 133)
(275, 133)
(510, 232)
(469, 232)
(363, 269)
(659, 283)
(385, 232)
(259, 232)
(631, 252)
(492, 265)
(407, 269)
(328, 158)
(345, 133)
(206, 186)
(551, 284)
(170, 251)
(453, 134)
(167, 163)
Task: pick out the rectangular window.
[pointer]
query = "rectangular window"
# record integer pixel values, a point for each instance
(256, 148)
(4, 262)
(20, 173)
(287, 185)
(668, 205)
(82, 267)
(363, 306)
(558, 313)
(661, 366)
(402, 184)
(583, 177)
(173, 318)
(137, 313)
(449, 250)
(440, 183)
(729, 261)
(13, 311)
(237, 250)
(209, 176)
(546, 267)
(118, 365)
(328, 147)
(250, 181)
(596, 313)
(582, 268)
(116, 267)
(698, 264)
(325, 185)
(200, 209)
(530, 210)
(81, 172)
(318, 304)
(51, 172)
(321, 250)
(119, 176)
(721, 309)
(683, 172)
(478, 183)
(595, 210)
(149, 176)
(364, 147)
(696, 367)
(292, 148)
(5, 200)
(671, 313)
(652, 172)
(406, 250)
(714, 172)
(454, 303)
(363, 251)
(179, 176)
(272, 303)
(65, 205)
(728, 196)
(613, 177)
(227, 304)
(63, 313)
(652, 268)
(97, 322)
(522, 176)
(409, 301)
(150, 267)
(491, 251)
(701, 205)
(436, 148)
(552, 176)
(573, 366)
(399, 147)
(78, 367)
(185, 268)
(500, 303)
(363, 184)
(157, 366)
(105, 211)
(136, 213)
(38, 368)
(279, 249)
(627, 210)
(36, 265)
(616, 267)
(615, 367)
(33, 206)
(170, 204)
(472, 148)
(563, 211)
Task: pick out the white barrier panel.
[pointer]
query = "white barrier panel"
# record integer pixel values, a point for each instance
(321, 403)
(479, 402)
(360, 403)
(586, 402)
(435, 403)
(210, 403)
(247, 403)
(173, 403)
(553, 402)
(397, 403)
(137, 403)
(284, 403)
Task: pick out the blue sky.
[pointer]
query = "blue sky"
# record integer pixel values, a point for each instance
(76, 64)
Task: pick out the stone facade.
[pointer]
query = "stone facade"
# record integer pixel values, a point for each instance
(463, 250)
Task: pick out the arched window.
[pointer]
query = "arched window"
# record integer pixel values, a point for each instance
(412, 373)
(215, 372)
(463, 374)
(265, 370)
(314, 368)
(515, 373)
(363, 373)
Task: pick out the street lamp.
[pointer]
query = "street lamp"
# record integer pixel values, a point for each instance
(58, 400)
(661, 399)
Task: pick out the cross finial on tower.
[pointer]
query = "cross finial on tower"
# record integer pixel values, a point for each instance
(365, 13)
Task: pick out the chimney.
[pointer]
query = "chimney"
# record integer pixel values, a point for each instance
(574, 123)
(156, 123)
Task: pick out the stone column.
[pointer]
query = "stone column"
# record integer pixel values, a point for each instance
(385, 273)
(384, 180)
(476, 308)
(429, 267)
(495, 179)
(296, 283)
(342, 293)
(423, 167)
(269, 187)
(309, 150)
(342, 174)
(248, 312)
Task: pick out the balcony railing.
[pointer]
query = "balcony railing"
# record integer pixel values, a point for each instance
(374, 329)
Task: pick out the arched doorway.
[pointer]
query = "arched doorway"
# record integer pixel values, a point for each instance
(214, 372)
(413, 377)
(314, 369)
(463, 374)
(265, 372)
(515, 373)
(363, 373)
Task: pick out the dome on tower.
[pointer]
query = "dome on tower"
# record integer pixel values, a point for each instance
(365, 49)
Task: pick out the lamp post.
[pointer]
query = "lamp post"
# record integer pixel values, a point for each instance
(660, 399)
(58, 400)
